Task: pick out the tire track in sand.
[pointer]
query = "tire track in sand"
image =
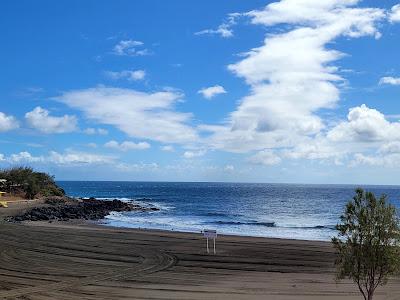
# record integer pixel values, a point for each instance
(153, 261)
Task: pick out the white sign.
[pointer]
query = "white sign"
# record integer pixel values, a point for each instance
(210, 234)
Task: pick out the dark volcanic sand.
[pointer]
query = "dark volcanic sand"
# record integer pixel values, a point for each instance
(39, 260)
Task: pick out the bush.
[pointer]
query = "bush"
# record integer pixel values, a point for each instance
(30, 184)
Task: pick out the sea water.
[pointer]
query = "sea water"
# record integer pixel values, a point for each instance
(295, 211)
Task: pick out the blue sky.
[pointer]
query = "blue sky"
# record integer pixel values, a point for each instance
(248, 91)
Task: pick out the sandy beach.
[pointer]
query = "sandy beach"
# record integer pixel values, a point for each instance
(77, 260)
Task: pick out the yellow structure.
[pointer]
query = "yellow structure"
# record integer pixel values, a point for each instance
(3, 203)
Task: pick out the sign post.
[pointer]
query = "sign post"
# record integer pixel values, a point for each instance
(210, 234)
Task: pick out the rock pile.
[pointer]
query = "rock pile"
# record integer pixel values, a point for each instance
(88, 209)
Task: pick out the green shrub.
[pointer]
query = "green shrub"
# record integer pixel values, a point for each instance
(30, 184)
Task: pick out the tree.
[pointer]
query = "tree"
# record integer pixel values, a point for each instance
(25, 181)
(368, 242)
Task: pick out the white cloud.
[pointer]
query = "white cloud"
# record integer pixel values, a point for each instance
(365, 125)
(366, 131)
(29, 91)
(390, 80)
(130, 48)
(265, 157)
(127, 145)
(7, 122)
(318, 148)
(102, 131)
(92, 145)
(212, 91)
(224, 30)
(394, 15)
(366, 138)
(24, 157)
(168, 148)
(388, 161)
(291, 76)
(138, 114)
(229, 168)
(140, 167)
(92, 131)
(193, 154)
(390, 147)
(128, 75)
(2, 157)
(67, 158)
(337, 16)
(41, 120)
(78, 158)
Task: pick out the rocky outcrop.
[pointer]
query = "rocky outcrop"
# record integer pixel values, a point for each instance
(67, 209)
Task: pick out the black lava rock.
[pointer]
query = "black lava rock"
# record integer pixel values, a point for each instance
(88, 209)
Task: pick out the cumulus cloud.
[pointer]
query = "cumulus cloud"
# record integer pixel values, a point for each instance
(365, 138)
(40, 119)
(224, 30)
(365, 125)
(91, 145)
(138, 114)
(212, 91)
(140, 167)
(130, 48)
(390, 148)
(7, 122)
(394, 15)
(391, 160)
(291, 75)
(128, 75)
(229, 168)
(390, 80)
(78, 158)
(265, 157)
(25, 157)
(339, 16)
(127, 145)
(193, 154)
(93, 131)
(168, 148)
(53, 157)
(388, 155)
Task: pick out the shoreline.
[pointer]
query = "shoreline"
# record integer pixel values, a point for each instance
(218, 232)
(86, 259)
(80, 259)
(21, 206)
(97, 225)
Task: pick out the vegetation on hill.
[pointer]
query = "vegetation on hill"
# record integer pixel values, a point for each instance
(368, 246)
(25, 182)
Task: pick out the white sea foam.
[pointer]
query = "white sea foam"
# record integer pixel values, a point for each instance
(194, 224)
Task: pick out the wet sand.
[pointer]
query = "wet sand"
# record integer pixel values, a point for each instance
(86, 261)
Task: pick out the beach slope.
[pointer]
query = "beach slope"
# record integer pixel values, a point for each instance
(80, 261)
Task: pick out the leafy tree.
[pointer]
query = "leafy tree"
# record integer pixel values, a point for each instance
(25, 181)
(368, 242)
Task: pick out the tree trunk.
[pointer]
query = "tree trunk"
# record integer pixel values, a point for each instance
(370, 295)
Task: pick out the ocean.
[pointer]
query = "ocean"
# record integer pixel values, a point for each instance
(295, 211)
